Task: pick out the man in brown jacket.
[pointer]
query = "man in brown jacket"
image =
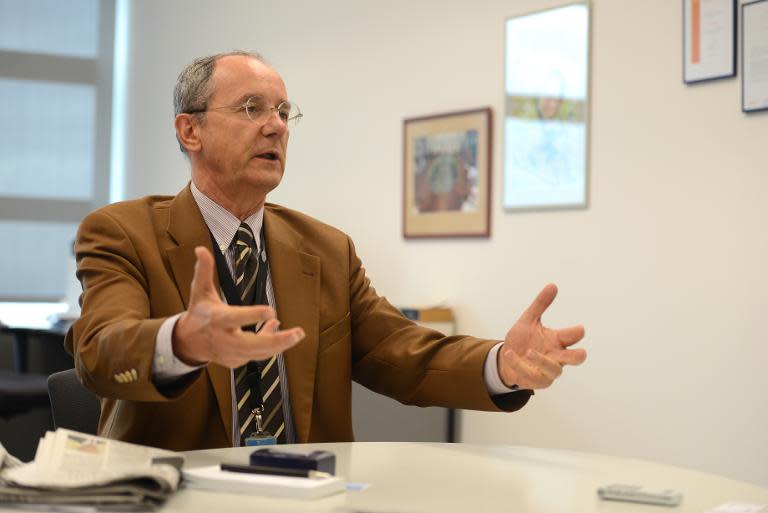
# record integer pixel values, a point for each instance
(158, 343)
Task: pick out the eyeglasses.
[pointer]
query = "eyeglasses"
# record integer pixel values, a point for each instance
(258, 110)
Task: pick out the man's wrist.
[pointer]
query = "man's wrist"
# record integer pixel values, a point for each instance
(180, 342)
(166, 366)
(513, 386)
(493, 381)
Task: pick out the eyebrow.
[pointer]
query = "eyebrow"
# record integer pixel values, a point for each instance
(245, 97)
(256, 97)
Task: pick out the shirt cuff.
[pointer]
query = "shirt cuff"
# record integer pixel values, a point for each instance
(165, 366)
(491, 373)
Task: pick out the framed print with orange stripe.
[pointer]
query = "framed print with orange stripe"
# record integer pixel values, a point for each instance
(754, 56)
(709, 40)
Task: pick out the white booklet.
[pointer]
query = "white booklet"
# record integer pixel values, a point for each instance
(212, 478)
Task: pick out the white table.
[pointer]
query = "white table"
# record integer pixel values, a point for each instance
(446, 478)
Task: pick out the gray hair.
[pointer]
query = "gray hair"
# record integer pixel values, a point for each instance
(194, 85)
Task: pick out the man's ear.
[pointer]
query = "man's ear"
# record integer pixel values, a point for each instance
(187, 132)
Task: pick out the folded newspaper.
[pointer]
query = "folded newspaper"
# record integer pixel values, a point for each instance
(77, 468)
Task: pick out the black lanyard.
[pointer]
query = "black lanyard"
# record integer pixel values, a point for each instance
(254, 368)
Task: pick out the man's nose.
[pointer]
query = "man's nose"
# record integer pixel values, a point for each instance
(274, 124)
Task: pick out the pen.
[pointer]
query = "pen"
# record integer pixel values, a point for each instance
(275, 471)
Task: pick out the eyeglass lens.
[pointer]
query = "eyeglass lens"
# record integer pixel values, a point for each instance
(257, 109)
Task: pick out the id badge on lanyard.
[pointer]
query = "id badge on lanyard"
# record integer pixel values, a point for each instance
(260, 436)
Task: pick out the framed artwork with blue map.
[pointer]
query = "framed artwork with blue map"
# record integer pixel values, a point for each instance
(446, 175)
(546, 109)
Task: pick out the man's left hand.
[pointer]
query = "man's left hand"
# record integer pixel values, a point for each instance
(533, 355)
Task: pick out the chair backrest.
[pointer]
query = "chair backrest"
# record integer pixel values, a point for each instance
(73, 406)
(21, 392)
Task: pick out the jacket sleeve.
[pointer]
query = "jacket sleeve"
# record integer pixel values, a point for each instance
(413, 364)
(113, 341)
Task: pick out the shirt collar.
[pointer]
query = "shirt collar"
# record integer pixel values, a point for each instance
(222, 223)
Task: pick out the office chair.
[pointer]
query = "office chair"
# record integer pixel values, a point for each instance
(73, 406)
(20, 393)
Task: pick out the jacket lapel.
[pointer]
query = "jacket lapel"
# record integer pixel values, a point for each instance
(296, 284)
(187, 229)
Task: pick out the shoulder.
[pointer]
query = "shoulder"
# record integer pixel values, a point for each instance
(311, 232)
(136, 213)
(134, 206)
(300, 221)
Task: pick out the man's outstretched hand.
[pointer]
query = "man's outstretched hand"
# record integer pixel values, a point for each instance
(211, 330)
(533, 355)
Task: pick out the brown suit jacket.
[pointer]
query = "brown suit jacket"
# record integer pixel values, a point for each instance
(136, 262)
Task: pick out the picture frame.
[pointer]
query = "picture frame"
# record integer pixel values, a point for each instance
(447, 174)
(546, 113)
(754, 48)
(709, 40)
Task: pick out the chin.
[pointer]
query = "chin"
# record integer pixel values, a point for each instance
(265, 178)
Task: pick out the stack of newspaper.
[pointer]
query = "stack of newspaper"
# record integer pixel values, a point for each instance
(76, 468)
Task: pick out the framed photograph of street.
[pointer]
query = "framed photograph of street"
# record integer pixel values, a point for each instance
(447, 175)
(754, 56)
(709, 40)
(546, 88)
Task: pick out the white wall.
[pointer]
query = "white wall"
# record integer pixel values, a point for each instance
(666, 268)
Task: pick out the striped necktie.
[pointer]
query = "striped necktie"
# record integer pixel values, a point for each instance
(256, 383)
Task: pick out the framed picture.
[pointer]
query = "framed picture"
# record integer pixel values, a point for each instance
(546, 88)
(709, 40)
(447, 175)
(754, 56)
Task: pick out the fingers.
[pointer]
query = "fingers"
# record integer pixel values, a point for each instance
(534, 312)
(571, 335)
(212, 331)
(233, 316)
(248, 346)
(270, 326)
(279, 341)
(202, 280)
(532, 371)
(569, 356)
(547, 368)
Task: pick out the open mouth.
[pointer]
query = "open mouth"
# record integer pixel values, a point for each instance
(267, 155)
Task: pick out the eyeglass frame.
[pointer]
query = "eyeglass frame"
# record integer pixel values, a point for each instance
(289, 122)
